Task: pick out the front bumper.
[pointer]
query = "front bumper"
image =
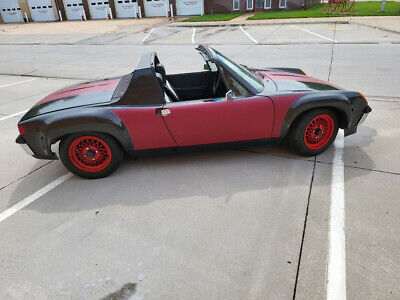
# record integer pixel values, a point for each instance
(353, 129)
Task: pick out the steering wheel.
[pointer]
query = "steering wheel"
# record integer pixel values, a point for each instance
(216, 83)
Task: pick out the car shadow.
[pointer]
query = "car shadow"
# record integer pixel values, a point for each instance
(209, 173)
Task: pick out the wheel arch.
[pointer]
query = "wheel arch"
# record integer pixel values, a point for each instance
(98, 120)
(302, 106)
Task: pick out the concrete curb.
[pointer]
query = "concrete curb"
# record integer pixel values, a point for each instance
(212, 24)
(375, 27)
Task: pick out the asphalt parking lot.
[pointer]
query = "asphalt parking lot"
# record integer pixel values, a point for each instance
(242, 223)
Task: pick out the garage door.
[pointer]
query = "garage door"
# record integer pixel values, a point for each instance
(189, 7)
(74, 9)
(10, 11)
(41, 10)
(99, 9)
(126, 8)
(155, 8)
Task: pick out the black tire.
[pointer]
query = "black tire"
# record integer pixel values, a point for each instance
(103, 149)
(308, 145)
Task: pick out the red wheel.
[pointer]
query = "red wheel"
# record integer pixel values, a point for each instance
(90, 153)
(346, 5)
(318, 132)
(328, 6)
(314, 131)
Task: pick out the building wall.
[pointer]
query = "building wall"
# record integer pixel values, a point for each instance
(210, 7)
(224, 6)
(23, 4)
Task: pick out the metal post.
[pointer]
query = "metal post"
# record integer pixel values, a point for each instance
(26, 17)
(140, 12)
(111, 13)
(84, 15)
(172, 11)
(59, 13)
(383, 6)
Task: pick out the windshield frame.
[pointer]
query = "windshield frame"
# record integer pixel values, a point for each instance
(252, 83)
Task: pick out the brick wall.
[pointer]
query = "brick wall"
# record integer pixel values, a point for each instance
(224, 6)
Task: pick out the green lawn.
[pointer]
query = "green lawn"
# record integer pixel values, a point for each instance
(370, 8)
(214, 17)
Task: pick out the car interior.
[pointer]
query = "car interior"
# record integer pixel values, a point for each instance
(205, 85)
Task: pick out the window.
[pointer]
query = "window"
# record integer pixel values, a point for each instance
(235, 4)
(237, 89)
(267, 4)
(282, 3)
(246, 75)
(249, 4)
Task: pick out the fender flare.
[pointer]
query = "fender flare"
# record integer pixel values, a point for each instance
(338, 102)
(99, 119)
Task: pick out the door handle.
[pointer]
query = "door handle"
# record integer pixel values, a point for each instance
(163, 111)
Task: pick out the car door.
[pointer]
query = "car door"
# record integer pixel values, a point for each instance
(145, 126)
(218, 120)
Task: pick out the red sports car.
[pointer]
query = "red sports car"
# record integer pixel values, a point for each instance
(97, 122)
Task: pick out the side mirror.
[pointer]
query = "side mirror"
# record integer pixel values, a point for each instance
(229, 95)
(206, 67)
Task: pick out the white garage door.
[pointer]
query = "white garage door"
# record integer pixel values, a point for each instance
(74, 9)
(126, 8)
(189, 7)
(10, 11)
(41, 10)
(155, 8)
(99, 9)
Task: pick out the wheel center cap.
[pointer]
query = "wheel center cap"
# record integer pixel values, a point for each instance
(90, 153)
(318, 131)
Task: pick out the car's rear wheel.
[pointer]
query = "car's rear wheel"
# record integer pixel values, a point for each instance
(314, 132)
(90, 155)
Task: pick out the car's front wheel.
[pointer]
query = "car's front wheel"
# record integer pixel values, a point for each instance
(314, 132)
(90, 155)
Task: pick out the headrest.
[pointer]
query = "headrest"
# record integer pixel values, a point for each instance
(160, 69)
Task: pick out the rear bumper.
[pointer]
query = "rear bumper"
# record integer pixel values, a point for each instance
(353, 129)
(25, 146)
(21, 141)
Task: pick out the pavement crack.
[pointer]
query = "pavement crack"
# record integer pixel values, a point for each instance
(304, 229)
(44, 77)
(275, 155)
(361, 168)
(333, 46)
(22, 177)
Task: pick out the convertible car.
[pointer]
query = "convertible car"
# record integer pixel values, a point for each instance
(90, 126)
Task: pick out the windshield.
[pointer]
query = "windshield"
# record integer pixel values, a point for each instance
(253, 80)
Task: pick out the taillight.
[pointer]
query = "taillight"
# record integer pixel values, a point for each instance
(22, 129)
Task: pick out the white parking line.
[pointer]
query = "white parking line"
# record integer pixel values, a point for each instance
(148, 35)
(336, 288)
(15, 83)
(194, 32)
(316, 34)
(250, 37)
(13, 115)
(28, 200)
